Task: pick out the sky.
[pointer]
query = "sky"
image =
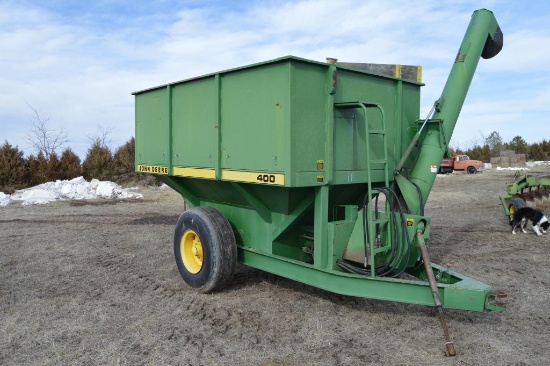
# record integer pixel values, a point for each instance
(74, 64)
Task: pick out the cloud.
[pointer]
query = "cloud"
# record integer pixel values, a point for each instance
(525, 51)
(78, 63)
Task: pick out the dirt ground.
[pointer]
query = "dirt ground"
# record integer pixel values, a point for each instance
(95, 283)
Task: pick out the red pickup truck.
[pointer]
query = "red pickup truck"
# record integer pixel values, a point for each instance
(460, 162)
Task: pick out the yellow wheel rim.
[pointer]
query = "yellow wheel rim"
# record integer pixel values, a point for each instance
(191, 251)
(512, 210)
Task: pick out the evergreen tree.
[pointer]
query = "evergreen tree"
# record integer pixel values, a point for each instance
(98, 163)
(12, 168)
(482, 153)
(519, 145)
(124, 158)
(537, 153)
(545, 145)
(37, 167)
(70, 165)
(54, 170)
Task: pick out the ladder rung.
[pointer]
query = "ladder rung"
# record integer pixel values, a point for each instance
(377, 132)
(378, 162)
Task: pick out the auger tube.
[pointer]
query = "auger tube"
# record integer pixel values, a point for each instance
(483, 38)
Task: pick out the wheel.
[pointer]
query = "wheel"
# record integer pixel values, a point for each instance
(471, 170)
(205, 249)
(515, 204)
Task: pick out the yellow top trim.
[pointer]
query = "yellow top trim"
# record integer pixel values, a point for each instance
(419, 74)
(276, 179)
(206, 173)
(397, 72)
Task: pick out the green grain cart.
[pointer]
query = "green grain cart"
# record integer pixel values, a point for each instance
(318, 172)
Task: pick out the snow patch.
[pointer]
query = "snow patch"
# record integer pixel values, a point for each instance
(512, 168)
(537, 163)
(74, 189)
(5, 199)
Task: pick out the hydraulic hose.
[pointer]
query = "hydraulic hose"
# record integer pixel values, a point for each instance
(401, 238)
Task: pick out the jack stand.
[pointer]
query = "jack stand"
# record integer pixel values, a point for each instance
(449, 345)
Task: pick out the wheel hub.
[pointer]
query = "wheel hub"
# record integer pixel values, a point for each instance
(191, 250)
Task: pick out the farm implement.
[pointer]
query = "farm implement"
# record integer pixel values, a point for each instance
(525, 190)
(317, 172)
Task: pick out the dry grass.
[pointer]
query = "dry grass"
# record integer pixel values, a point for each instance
(96, 284)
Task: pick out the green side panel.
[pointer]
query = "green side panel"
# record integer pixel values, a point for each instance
(249, 227)
(308, 116)
(350, 136)
(411, 111)
(277, 200)
(411, 114)
(349, 140)
(195, 123)
(152, 128)
(255, 126)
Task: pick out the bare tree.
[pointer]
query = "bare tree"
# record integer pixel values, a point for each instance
(483, 137)
(43, 139)
(102, 137)
(474, 141)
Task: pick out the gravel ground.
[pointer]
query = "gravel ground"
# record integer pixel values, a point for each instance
(95, 282)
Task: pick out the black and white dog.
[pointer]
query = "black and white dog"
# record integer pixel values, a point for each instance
(525, 214)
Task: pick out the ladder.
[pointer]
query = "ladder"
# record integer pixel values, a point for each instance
(372, 222)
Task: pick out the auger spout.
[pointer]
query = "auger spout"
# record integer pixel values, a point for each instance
(484, 39)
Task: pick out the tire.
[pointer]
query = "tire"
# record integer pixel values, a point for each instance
(515, 204)
(205, 249)
(471, 170)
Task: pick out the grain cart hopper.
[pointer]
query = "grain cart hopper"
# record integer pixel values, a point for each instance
(313, 171)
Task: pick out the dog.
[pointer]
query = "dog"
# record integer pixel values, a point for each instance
(525, 214)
